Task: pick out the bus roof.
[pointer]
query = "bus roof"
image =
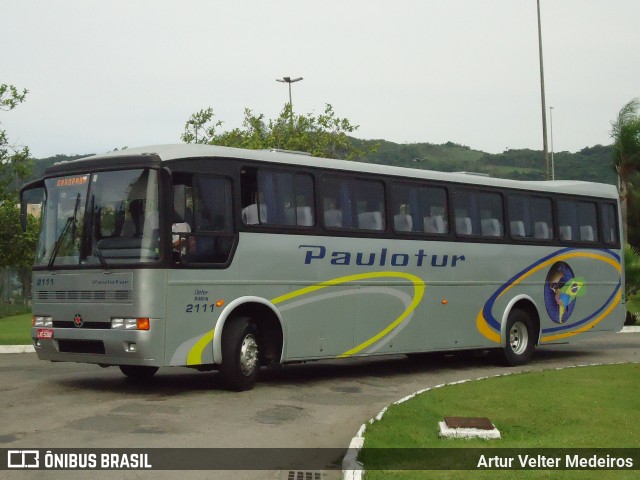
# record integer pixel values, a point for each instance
(183, 151)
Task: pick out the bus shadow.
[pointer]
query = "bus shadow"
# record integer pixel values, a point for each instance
(400, 366)
(178, 381)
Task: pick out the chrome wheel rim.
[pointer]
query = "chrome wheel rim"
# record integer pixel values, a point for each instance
(518, 338)
(248, 355)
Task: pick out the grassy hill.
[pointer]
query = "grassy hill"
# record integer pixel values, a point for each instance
(590, 163)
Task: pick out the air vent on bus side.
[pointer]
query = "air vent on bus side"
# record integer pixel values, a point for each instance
(84, 296)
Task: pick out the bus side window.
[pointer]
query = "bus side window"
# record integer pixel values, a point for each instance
(202, 219)
(212, 205)
(478, 213)
(530, 217)
(419, 209)
(577, 221)
(353, 203)
(277, 198)
(609, 230)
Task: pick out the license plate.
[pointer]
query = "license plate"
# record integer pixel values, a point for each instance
(44, 333)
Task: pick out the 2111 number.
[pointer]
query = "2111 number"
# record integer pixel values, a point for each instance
(199, 307)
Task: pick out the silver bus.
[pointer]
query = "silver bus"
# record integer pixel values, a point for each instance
(227, 259)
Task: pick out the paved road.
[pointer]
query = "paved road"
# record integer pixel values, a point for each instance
(47, 405)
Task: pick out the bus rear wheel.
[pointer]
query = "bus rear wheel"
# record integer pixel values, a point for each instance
(138, 372)
(240, 354)
(520, 341)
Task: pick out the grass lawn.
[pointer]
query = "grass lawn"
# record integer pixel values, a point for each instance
(586, 407)
(15, 330)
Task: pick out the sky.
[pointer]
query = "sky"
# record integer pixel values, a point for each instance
(107, 74)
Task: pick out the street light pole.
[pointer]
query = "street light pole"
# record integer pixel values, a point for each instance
(289, 80)
(553, 165)
(544, 108)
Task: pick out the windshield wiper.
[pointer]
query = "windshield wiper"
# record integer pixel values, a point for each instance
(71, 222)
(103, 261)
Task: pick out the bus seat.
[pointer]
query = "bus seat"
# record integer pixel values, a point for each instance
(333, 218)
(434, 224)
(611, 236)
(290, 217)
(541, 231)
(370, 221)
(463, 226)
(565, 232)
(402, 222)
(491, 227)
(250, 214)
(517, 228)
(304, 216)
(586, 233)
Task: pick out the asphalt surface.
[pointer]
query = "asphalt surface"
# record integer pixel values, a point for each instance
(317, 405)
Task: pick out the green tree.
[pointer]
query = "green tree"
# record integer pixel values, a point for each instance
(324, 135)
(632, 282)
(625, 131)
(15, 163)
(17, 248)
(633, 211)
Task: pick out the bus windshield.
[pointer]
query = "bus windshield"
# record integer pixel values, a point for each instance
(100, 219)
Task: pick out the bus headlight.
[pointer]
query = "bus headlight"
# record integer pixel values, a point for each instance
(130, 323)
(42, 321)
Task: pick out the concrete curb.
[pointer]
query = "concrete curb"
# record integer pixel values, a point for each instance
(17, 349)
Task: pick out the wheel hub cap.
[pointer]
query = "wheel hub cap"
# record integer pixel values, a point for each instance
(248, 355)
(518, 338)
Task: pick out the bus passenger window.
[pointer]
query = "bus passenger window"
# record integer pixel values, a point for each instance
(608, 215)
(577, 221)
(465, 205)
(353, 204)
(419, 209)
(491, 216)
(530, 218)
(478, 213)
(202, 220)
(277, 198)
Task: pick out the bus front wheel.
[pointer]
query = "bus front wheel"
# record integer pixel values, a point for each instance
(240, 354)
(138, 372)
(520, 341)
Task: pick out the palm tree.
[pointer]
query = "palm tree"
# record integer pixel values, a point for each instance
(632, 283)
(625, 131)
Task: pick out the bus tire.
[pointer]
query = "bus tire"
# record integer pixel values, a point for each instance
(240, 354)
(138, 372)
(520, 341)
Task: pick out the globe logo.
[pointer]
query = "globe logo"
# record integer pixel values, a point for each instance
(561, 289)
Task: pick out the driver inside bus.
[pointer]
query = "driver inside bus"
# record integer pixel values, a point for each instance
(178, 242)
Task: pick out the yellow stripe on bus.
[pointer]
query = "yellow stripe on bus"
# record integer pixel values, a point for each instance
(418, 285)
(484, 328)
(195, 354)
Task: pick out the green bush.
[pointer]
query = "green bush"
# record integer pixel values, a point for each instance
(10, 309)
(632, 283)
